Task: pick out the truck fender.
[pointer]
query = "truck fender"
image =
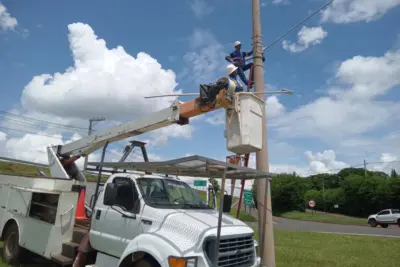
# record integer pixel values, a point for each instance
(10, 221)
(151, 244)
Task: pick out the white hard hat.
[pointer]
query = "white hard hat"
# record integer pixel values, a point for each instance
(237, 43)
(230, 68)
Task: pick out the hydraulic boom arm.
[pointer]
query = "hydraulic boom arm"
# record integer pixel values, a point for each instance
(177, 113)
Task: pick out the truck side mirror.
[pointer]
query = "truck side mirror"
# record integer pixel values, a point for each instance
(227, 203)
(110, 195)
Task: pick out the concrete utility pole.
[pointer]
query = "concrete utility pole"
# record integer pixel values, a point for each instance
(91, 125)
(267, 247)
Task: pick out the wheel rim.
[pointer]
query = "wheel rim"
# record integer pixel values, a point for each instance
(11, 244)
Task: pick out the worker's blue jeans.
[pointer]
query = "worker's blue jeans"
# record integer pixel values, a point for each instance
(241, 70)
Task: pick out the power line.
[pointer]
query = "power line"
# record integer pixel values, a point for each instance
(30, 123)
(42, 121)
(294, 27)
(11, 129)
(297, 25)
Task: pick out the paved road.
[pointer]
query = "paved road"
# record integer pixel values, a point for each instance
(288, 224)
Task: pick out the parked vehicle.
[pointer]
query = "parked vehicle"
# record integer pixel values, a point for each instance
(384, 218)
(140, 220)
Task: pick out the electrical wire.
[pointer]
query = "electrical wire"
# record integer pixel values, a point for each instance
(294, 27)
(42, 121)
(28, 132)
(297, 25)
(30, 123)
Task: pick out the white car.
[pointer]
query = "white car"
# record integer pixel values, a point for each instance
(384, 218)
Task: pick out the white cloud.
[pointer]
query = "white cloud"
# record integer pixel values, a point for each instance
(7, 22)
(388, 162)
(280, 2)
(102, 82)
(368, 76)
(206, 60)
(324, 162)
(32, 147)
(348, 11)
(3, 137)
(160, 136)
(201, 8)
(273, 107)
(280, 168)
(306, 37)
(351, 109)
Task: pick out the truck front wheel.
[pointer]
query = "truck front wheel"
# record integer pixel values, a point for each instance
(372, 223)
(12, 251)
(146, 263)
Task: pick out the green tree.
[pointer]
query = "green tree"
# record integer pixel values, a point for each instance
(215, 185)
(393, 173)
(287, 193)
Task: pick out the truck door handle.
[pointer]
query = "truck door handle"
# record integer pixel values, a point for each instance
(3, 207)
(98, 213)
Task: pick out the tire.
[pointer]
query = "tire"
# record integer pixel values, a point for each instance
(372, 223)
(384, 225)
(12, 252)
(398, 222)
(146, 263)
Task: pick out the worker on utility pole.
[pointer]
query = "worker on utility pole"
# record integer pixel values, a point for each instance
(238, 58)
(232, 72)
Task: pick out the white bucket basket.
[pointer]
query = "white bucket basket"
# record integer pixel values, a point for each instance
(243, 124)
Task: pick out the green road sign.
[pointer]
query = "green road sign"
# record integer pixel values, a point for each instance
(248, 197)
(200, 183)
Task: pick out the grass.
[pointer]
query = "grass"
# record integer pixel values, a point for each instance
(325, 218)
(298, 249)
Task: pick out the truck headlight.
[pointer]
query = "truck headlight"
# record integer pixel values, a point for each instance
(182, 262)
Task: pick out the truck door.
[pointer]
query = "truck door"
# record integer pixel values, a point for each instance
(395, 215)
(3, 203)
(384, 216)
(116, 226)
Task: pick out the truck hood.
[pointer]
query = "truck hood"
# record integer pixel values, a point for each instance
(185, 228)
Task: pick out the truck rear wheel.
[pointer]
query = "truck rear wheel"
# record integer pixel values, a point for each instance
(12, 251)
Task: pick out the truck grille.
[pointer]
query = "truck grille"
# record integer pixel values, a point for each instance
(234, 251)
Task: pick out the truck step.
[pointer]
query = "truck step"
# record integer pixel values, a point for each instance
(78, 235)
(69, 249)
(62, 260)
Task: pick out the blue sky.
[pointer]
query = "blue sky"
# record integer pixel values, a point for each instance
(343, 67)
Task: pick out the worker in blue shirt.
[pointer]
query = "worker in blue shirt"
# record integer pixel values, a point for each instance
(232, 72)
(238, 59)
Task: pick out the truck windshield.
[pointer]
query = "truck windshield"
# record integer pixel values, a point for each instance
(168, 193)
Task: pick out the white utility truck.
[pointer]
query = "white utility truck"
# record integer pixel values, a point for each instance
(136, 219)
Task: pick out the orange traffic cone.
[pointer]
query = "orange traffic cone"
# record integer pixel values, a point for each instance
(80, 208)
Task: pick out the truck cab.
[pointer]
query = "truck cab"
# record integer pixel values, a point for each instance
(160, 221)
